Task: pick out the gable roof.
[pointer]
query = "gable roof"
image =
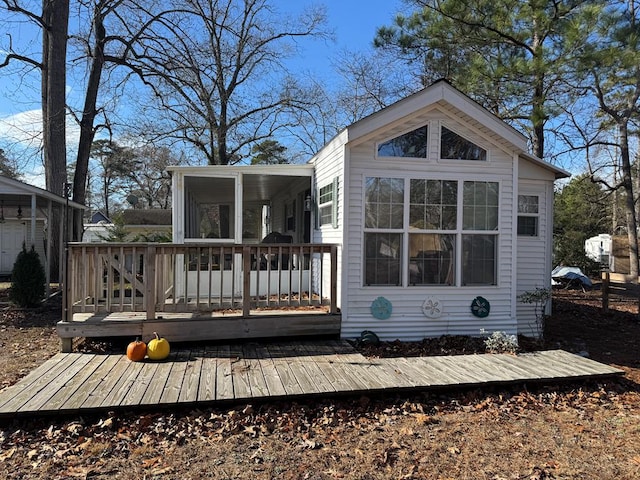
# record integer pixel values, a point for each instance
(10, 187)
(442, 92)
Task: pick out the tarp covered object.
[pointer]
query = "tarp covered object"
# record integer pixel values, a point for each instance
(568, 275)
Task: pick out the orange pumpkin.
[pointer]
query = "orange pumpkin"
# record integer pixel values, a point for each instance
(136, 350)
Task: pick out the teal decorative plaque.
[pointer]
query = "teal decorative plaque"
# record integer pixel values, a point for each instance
(381, 308)
(480, 307)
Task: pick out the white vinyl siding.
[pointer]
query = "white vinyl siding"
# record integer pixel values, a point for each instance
(408, 321)
(532, 271)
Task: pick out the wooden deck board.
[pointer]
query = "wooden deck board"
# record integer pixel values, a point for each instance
(16, 395)
(224, 378)
(59, 382)
(171, 391)
(207, 387)
(191, 380)
(257, 380)
(153, 393)
(222, 373)
(281, 363)
(270, 372)
(240, 374)
(80, 396)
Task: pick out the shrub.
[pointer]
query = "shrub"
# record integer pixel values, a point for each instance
(539, 299)
(501, 342)
(27, 279)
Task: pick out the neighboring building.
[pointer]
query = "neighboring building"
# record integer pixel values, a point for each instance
(598, 248)
(140, 225)
(24, 214)
(441, 216)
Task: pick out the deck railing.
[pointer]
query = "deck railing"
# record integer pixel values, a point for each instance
(160, 277)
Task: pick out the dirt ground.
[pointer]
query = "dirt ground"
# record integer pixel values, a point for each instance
(570, 431)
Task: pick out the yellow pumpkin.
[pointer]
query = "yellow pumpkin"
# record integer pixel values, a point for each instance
(158, 348)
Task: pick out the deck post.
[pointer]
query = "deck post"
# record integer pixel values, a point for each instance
(150, 282)
(333, 306)
(246, 281)
(605, 290)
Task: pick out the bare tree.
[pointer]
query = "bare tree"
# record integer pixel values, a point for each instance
(218, 74)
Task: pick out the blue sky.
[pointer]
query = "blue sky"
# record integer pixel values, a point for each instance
(352, 22)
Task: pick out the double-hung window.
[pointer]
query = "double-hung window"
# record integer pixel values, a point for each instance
(528, 215)
(327, 204)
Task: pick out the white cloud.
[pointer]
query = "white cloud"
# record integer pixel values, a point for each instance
(35, 177)
(25, 128)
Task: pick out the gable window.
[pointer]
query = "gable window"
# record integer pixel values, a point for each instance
(412, 144)
(327, 204)
(455, 147)
(528, 215)
(451, 237)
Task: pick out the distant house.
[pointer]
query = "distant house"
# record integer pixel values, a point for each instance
(25, 211)
(440, 215)
(140, 225)
(148, 223)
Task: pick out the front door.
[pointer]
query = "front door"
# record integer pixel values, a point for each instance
(12, 236)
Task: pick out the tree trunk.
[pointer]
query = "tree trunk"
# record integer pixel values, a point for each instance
(89, 111)
(627, 182)
(55, 14)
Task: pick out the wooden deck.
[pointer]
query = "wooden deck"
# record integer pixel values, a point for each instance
(200, 326)
(213, 374)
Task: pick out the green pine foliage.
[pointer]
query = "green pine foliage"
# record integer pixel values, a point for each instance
(27, 279)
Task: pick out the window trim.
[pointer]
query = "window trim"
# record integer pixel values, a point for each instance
(535, 215)
(333, 204)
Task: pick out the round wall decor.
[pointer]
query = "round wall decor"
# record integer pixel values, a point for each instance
(381, 308)
(432, 307)
(480, 307)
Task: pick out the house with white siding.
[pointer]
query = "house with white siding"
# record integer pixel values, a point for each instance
(25, 211)
(440, 217)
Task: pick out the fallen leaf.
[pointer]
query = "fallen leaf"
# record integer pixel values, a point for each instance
(8, 454)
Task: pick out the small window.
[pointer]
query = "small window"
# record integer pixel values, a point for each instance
(528, 215)
(327, 208)
(412, 144)
(455, 147)
(290, 217)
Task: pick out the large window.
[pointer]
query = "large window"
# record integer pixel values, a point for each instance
(452, 228)
(412, 144)
(384, 219)
(528, 215)
(455, 147)
(432, 210)
(479, 249)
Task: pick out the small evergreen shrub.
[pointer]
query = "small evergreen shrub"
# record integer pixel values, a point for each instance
(27, 279)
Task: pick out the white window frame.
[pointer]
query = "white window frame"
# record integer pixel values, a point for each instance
(535, 215)
(326, 204)
(458, 233)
